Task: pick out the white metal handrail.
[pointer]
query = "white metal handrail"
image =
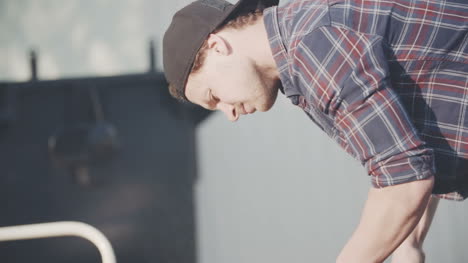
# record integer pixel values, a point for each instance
(58, 229)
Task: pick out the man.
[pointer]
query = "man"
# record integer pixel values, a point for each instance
(387, 80)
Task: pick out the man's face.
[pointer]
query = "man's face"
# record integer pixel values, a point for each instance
(233, 84)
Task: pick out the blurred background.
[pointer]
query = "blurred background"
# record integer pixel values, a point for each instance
(184, 185)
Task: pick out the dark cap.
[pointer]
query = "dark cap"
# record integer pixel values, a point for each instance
(190, 27)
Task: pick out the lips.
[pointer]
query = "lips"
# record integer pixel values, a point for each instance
(242, 110)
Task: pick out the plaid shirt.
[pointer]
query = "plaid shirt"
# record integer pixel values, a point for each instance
(387, 80)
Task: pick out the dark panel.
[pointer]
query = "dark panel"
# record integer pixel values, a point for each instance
(141, 199)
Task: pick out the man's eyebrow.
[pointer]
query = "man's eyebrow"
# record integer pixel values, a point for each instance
(208, 100)
(207, 96)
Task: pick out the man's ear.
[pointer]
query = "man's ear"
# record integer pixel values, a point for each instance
(218, 44)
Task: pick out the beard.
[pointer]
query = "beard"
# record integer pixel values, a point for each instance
(268, 92)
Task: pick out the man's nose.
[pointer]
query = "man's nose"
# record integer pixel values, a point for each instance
(228, 110)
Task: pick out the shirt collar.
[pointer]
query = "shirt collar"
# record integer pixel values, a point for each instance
(278, 48)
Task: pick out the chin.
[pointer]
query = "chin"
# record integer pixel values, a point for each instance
(267, 105)
(268, 99)
(271, 100)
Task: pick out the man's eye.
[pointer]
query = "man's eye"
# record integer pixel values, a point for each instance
(213, 98)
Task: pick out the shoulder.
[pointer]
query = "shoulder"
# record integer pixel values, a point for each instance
(299, 17)
(306, 26)
(324, 59)
(332, 45)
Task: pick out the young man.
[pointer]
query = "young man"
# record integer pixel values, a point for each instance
(387, 80)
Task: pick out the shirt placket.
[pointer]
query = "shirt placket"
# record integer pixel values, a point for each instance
(318, 117)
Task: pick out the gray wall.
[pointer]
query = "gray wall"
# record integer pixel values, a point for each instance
(272, 188)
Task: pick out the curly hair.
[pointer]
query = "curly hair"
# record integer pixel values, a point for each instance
(238, 22)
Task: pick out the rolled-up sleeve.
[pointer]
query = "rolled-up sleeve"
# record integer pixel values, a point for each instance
(370, 120)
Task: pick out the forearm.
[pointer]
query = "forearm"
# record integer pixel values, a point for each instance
(389, 216)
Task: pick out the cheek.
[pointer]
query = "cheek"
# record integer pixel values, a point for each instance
(243, 84)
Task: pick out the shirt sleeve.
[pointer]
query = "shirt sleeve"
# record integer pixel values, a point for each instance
(345, 75)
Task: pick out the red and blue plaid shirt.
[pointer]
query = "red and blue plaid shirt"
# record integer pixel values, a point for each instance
(387, 80)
